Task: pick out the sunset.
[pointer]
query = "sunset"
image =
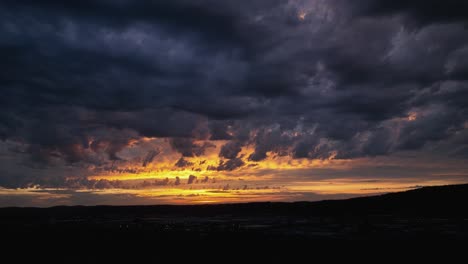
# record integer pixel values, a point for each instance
(160, 171)
(210, 102)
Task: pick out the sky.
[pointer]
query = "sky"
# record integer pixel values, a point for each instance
(205, 101)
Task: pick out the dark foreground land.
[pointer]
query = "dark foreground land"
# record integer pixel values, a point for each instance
(428, 213)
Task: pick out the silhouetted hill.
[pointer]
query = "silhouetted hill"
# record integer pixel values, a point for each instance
(429, 212)
(431, 201)
(427, 201)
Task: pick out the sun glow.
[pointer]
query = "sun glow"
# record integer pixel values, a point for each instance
(169, 177)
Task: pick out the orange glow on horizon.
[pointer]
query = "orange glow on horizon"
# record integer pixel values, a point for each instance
(199, 180)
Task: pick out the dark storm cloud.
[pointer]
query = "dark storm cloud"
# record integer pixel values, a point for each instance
(231, 164)
(308, 79)
(423, 11)
(188, 148)
(230, 150)
(202, 16)
(183, 163)
(310, 148)
(228, 165)
(191, 179)
(150, 157)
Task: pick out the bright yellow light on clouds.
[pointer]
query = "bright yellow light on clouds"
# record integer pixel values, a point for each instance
(200, 166)
(276, 178)
(196, 196)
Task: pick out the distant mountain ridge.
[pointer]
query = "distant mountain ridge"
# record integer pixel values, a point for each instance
(441, 201)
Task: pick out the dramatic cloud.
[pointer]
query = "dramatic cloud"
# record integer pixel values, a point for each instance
(228, 165)
(191, 179)
(150, 157)
(86, 87)
(182, 163)
(230, 150)
(188, 148)
(423, 11)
